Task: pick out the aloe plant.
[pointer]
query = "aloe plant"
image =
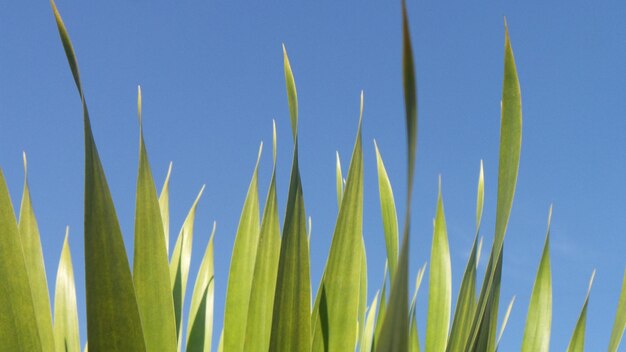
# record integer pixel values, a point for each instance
(269, 301)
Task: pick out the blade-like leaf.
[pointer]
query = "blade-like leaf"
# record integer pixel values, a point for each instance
(33, 256)
(291, 320)
(466, 302)
(577, 342)
(394, 334)
(164, 205)
(242, 267)
(389, 215)
(113, 321)
(339, 181)
(66, 334)
(537, 331)
(150, 265)
(440, 284)
(335, 325)
(367, 338)
(505, 321)
(382, 309)
(18, 324)
(510, 147)
(200, 324)
(259, 320)
(620, 319)
(414, 340)
(179, 265)
(362, 291)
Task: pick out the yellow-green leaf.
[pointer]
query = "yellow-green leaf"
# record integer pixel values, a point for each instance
(179, 265)
(18, 324)
(394, 333)
(440, 284)
(339, 181)
(291, 320)
(150, 264)
(33, 256)
(620, 319)
(414, 340)
(338, 313)
(164, 205)
(539, 320)
(259, 320)
(200, 324)
(113, 321)
(66, 334)
(505, 321)
(242, 267)
(484, 321)
(367, 338)
(389, 215)
(577, 342)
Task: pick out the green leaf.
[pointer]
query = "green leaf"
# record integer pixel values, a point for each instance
(259, 320)
(18, 324)
(179, 265)
(440, 284)
(200, 324)
(505, 321)
(150, 264)
(394, 334)
(620, 319)
(537, 331)
(66, 334)
(577, 342)
(367, 338)
(485, 318)
(382, 307)
(113, 321)
(466, 302)
(164, 205)
(242, 267)
(291, 320)
(362, 291)
(336, 322)
(33, 257)
(339, 181)
(389, 215)
(414, 341)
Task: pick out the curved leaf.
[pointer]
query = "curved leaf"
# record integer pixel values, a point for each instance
(577, 342)
(113, 321)
(620, 319)
(389, 215)
(164, 205)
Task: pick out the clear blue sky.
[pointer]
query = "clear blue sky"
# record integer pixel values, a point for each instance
(212, 81)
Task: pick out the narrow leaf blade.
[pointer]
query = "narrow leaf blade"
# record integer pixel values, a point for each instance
(66, 333)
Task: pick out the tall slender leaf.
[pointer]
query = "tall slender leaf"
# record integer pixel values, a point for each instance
(440, 284)
(259, 320)
(620, 319)
(365, 345)
(339, 181)
(291, 320)
(537, 331)
(200, 324)
(242, 267)
(389, 215)
(66, 334)
(362, 291)
(150, 265)
(505, 320)
(33, 256)
(113, 321)
(414, 340)
(466, 302)
(179, 265)
(164, 205)
(339, 303)
(510, 147)
(382, 309)
(577, 342)
(394, 334)
(18, 324)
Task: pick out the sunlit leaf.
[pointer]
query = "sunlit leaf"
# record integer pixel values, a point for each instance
(242, 267)
(577, 342)
(66, 334)
(33, 256)
(389, 215)
(164, 205)
(620, 319)
(113, 321)
(539, 320)
(505, 320)
(414, 340)
(365, 345)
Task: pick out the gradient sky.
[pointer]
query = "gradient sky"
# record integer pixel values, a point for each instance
(212, 80)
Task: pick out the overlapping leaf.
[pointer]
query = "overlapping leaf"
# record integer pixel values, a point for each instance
(577, 342)
(113, 320)
(66, 333)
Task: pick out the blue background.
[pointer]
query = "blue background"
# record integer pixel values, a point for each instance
(212, 79)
